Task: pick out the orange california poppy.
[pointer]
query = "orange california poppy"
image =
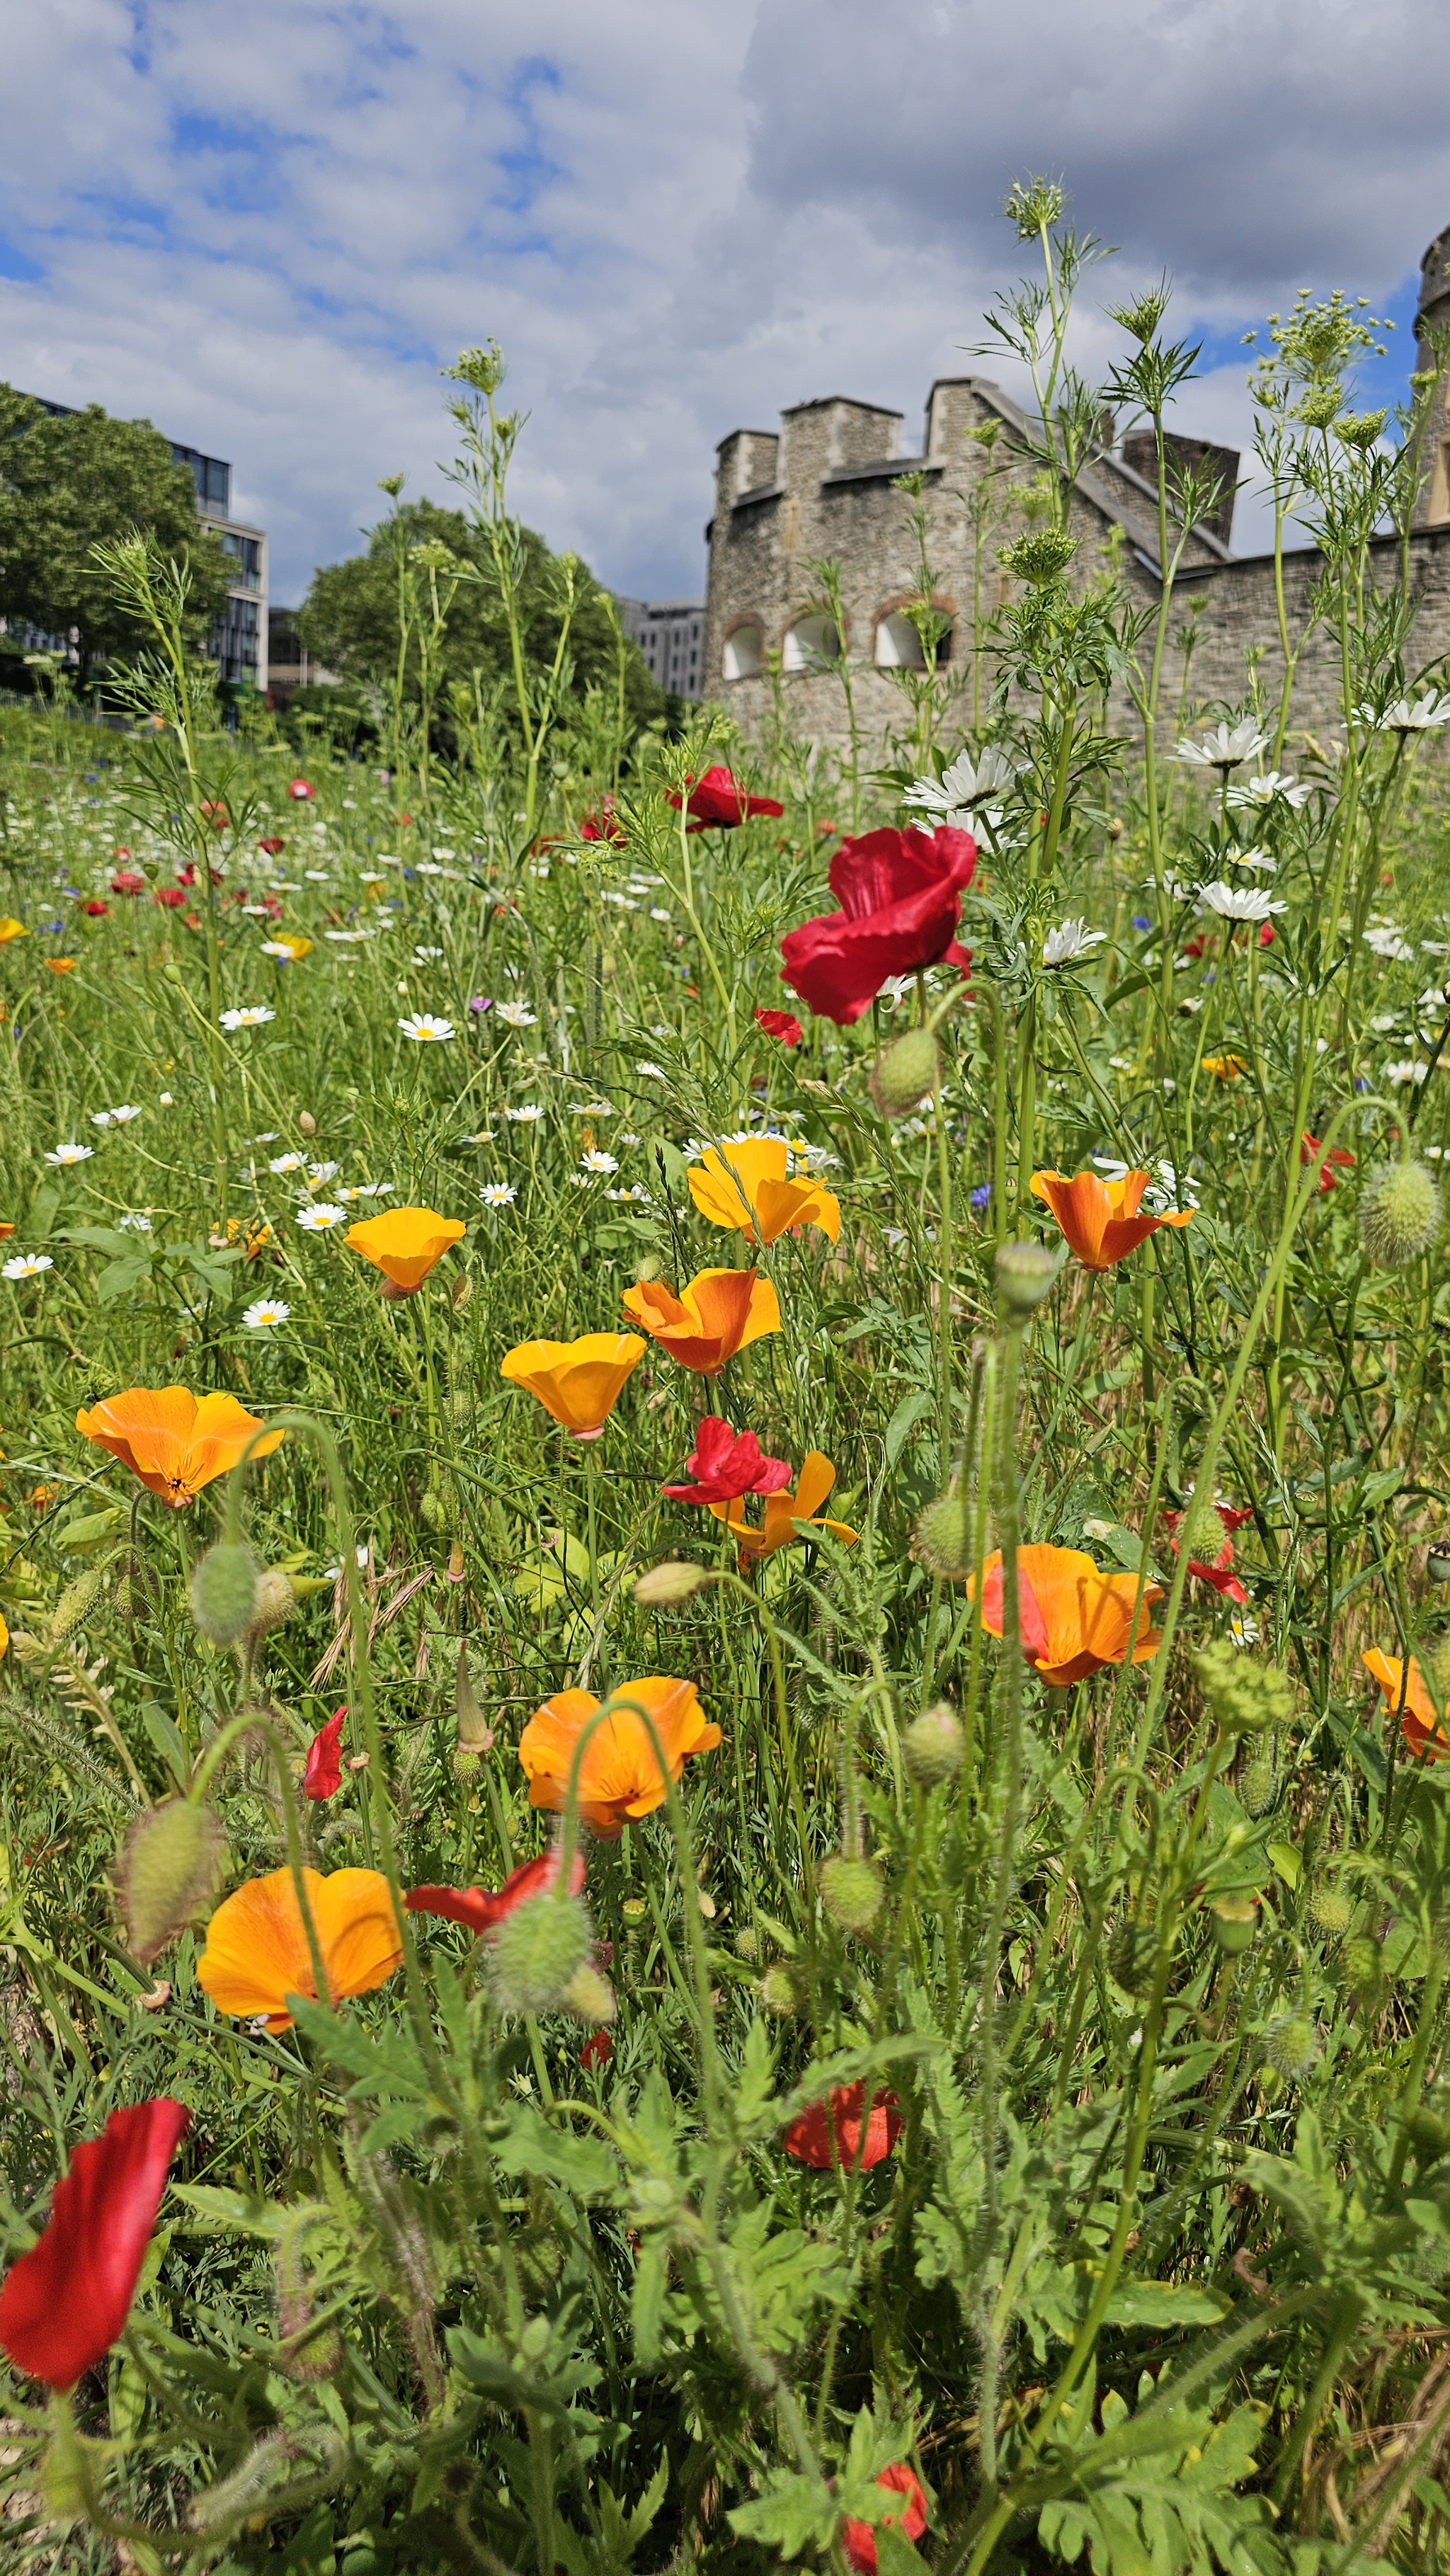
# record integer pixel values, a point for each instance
(1419, 1722)
(1228, 1068)
(578, 1382)
(4, 1640)
(1073, 1619)
(1100, 1218)
(405, 1243)
(61, 965)
(10, 929)
(175, 1441)
(788, 1516)
(5, 1230)
(710, 1320)
(256, 1951)
(743, 1184)
(619, 1776)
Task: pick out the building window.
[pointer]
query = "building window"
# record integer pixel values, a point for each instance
(809, 643)
(744, 649)
(898, 645)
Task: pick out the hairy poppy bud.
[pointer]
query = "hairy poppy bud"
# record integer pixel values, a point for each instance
(306, 1122)
(1132, 1956)
(167, 1869)
(905, 1072)
(1026, 1273)
(747, 1942)
(1291, 2045)
(590, 1997)
(664, 1587)
(1331, 1912)
(852, 1891)
(778, 1991)
(1361, 1970)
(1429, 2133)
(475, 1735)
(944, 1538)
(1399, 1216)
(932, 1746)
(218, 2509)
(224, 1592)
(1259, 1786)
(1235, 1920)
(537, 1951)
(433, 1508)
(276, 1601)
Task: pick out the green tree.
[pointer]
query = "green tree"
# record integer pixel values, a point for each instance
(73, 481)
(350, 615)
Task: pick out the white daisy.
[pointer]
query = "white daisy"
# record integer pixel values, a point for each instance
(285, 1163)
(1263, 791)
(1234, 857)
(498, 1194)
(595, 1161)
(121, 1117)
(347, 938)
(365, 1190)
(657, 912)
(1239, 903)
(656, 1072)
(71, 1154)
(1226, 747)
(322, 1172)
(592, 1108)
(427, 869)
(317, 1220)
(1070, 941)
(961, 786)
(424, 1029)
(1405, 717)
(281, 948)
(627, 1136)
(27, 1265)
(253, 1015)
(516, 1015)
(266, 1311)
(317, 876)
(164, 1100)
(1387, 941)
(1406, 1071)
(135, 1224)
(527, 1116)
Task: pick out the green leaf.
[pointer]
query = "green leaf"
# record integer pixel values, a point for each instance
(793, 2511)
(1165, 2303)
(903, 1422)
(167, 1738)
(1287, 1862)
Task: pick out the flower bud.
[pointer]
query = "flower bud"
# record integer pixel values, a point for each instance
(932, 1746)
(1331, 1911)
(590, 1997)
(1259, 1785)
(1291, 2045)
(905, 1072)
(778, 1991)
(1235, 1920)
(70, 1610)
(1361, 1971)
(167, 1870)
(1026, 1273)
(852, 1891)
(276, 1601)
(224, 1592)
(1399, 1216)
(537, 1952)
(664, 1587)
(475, 1735)
(1041, 557)
(944, 1538)
(747, 1942)
(306, 1122)
(1429, 2133)
(433, 1509)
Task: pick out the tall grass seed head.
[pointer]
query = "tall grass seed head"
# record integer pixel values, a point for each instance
(223, 1592)
(905, 1072)
(537, 1951)
(932, 1746)
(1399, 1216)
(944, 1538)
(167, 1871)
(852, 1891)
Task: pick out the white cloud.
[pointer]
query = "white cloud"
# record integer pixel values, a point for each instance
(268, 228)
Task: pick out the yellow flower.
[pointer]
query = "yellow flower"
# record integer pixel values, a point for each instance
(61, 965)
(10, 928)
(619, 1771)
(744, 1184)
(174, 1441)
(1228, 1068)
(788, 1516)
(719, 1313)
(405, 1244)
(578, 1382)
(256, 1951)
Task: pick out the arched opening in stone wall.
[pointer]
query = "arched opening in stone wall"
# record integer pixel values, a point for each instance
(898, 645)
(744, 650)
(810, 643)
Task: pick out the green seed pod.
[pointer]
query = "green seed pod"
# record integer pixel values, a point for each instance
(537, 1951)
(944, 1537)
(466, 1762)
(1291, 2045)
(434, 1510)
(1259, 1785)
(1026, 1273)
(1429, 2133)
(933, 1746)
(905, 1072)
(778, 1991)
(590, 1997)
(1235, 1920)
(167, 1871)
(1399, 1216)
(1331, 1911)
(1361, 1971)
(74, 1603)
(223, 1590)
(852, 1891)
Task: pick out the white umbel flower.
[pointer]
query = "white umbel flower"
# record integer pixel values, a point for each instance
(1071, 940)
(1227, 747)
(424, 1029)
(1239, 903)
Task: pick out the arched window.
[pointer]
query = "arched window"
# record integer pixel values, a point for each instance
(898, 645)
(744, 646)
(810, 643)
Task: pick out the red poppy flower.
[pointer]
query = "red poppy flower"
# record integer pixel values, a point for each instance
(830, 2132)
(1310, 1150)
(858, 2539)
(782, 1025)
(216, 814)
(597, 2051)
(172, 896)
(727, 1465)
(1220, 1573)
(323, 1775)
(900, 895)
(66, 2301)
(1266, 934)
(95, 907)
(300, 791)
(484, 1908)
(128, 881)
(602, 824)
(272, 845)
(717, 798)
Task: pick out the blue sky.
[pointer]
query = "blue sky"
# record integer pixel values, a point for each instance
(268, 229)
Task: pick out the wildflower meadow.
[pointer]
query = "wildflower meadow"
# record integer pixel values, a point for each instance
(724, 1558)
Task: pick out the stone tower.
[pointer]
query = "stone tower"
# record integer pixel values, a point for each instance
(1433, 313)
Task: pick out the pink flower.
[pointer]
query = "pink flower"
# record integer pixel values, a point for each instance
(727, 1465)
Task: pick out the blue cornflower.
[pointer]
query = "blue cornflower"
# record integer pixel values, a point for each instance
(1141, 921)
(981, 1194)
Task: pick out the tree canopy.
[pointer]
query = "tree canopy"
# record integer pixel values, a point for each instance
(71, 480)
(350, 616)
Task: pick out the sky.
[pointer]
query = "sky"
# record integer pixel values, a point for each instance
(267, 229)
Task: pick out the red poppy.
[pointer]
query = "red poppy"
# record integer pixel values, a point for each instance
(597, 2051)
(172, 896)
(727, 1465)
(900, 895)
(272, 845)
(300, 791)
(1310, 1150)
(829, 2133)
(602, 824)
(128, 881)
(216, 814)
(858, 2539)
(66, 2301)
(782, 1025)
(484, 1908)
(717, 798)
(95, 908)
(1220, 1573)
(323, 1775)
(1266, 934)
